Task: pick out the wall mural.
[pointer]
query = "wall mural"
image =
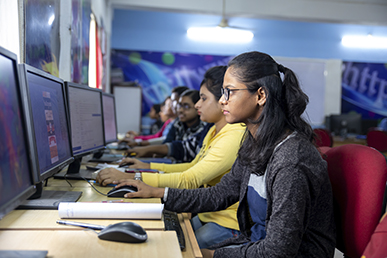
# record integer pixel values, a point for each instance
(364, 85)
(158, 72)
(364, 89)
(42, 43)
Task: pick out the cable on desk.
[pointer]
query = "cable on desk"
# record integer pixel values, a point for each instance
(93, 187)
(65, 177)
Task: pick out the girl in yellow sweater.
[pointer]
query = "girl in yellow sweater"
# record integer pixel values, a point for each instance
(218, 153)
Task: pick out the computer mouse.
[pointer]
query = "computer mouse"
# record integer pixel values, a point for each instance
(120, 192)
(127, 232)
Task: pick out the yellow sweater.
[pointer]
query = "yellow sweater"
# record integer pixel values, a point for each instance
(215, 159)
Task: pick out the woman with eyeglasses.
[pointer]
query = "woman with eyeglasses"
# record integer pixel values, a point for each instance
(218, 153)
(279, 178)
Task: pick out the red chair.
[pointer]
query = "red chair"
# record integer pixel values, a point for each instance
(323, 137)
(323, 150)
(377, 139)
(358, 175)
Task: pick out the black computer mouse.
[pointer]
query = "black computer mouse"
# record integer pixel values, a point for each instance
(127, 232)
(120, 192)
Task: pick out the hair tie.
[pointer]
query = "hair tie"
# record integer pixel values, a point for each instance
(281, 68)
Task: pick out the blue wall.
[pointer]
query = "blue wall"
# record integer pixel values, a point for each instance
(166, 31)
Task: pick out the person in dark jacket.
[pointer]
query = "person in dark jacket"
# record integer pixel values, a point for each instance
(279, 178)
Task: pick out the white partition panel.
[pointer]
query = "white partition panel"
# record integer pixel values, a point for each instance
(128, 108)
(321, 80)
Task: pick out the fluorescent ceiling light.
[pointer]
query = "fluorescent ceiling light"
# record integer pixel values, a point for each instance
(51, 19)
(368, 41)
(221, 35)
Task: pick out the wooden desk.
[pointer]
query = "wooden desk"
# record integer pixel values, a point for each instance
(85, 243)
(46, 219)
(88, 193)
(191, 245)
(338, 141)
(29, 225)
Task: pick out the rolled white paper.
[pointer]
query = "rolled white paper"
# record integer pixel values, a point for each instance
(88, 210)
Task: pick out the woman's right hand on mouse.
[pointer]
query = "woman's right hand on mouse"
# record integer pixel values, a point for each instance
(143, 190)
(136, 163)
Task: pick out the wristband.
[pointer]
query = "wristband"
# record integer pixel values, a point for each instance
(137, 176)
(165, 194)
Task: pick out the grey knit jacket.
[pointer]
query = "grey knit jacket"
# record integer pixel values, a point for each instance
(299, 220)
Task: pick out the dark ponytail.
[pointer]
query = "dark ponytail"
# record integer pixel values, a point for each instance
(285, 103)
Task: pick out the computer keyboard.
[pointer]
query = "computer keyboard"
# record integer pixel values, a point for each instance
(171, 222)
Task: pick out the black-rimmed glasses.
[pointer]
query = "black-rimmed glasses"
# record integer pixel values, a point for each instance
(226, 92)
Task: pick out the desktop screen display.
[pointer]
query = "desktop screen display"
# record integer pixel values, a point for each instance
(49, 120)
(109, 118)
(345, 123)
(85, 110)
(15, 171)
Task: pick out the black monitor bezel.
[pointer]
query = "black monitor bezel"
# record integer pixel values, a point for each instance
(24, 70)
(103, 117)
(86, 87)
(25, 194)
(336, 119)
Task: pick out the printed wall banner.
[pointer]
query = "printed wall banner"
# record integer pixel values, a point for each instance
(76, 41)
(158, 72)
(364, 89)
(42, 43)
(86, 11)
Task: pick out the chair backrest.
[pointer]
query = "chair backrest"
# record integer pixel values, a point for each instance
(323, 137)
(377, 139)
(358, 175)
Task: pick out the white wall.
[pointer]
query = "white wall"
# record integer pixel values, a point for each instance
(371, 12)
(9, 26)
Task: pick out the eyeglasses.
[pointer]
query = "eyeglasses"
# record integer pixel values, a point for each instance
(226, 92)
(184, 106)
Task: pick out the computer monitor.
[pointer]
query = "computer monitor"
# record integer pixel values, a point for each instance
(16, 174)
(109, 118)
(110, 130)
(86, 124)
(49, 135)
(344, 124)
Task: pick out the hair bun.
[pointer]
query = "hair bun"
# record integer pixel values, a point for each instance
(281, 68)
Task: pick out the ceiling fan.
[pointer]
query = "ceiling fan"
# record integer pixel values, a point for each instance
(222, 33)
(224, 21)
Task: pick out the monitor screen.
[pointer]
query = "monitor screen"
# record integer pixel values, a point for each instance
(109, 118)
(345, 123)
(49, 121)
(86, 123)
(16, 183)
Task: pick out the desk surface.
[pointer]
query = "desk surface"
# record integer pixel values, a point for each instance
(85, 243)
(338, 141)
(46, 219)
(88, 193)
(37, 230)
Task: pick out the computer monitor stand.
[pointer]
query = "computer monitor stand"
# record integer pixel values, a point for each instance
(75, 171)
(48, 200)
